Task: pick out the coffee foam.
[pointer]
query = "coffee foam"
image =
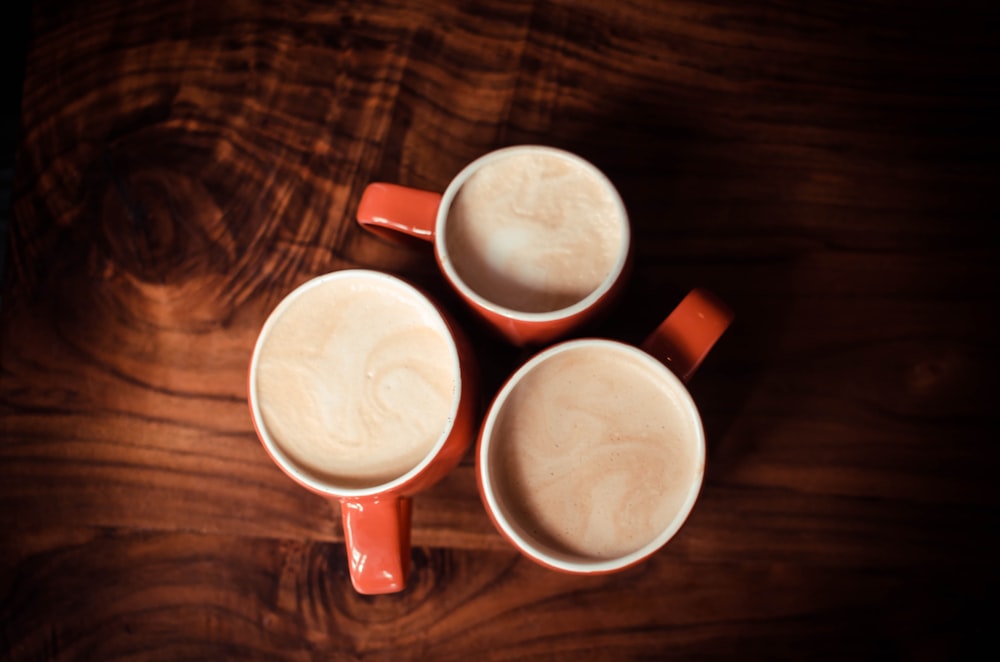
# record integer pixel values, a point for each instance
(594, 453)
(534, 231)
(355, 381)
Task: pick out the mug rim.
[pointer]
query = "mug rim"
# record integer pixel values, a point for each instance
(584, 304)
(309, 479)
(568, 562)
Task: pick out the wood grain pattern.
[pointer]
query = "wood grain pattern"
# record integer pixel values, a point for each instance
(167, 596)
(827, 169)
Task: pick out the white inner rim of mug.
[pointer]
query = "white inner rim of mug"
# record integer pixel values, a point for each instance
(564, 560)
(440, 245)
(288, 465)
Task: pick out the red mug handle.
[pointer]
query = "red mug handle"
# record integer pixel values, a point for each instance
(682, 341)
(398, 213)
(377, 535)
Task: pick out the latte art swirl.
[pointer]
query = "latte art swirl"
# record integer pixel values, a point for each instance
(355, 381)
(594, 454)
(534, 231)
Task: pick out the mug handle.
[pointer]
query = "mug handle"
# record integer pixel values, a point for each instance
(377, 534)
(398, 213)
(682, 341)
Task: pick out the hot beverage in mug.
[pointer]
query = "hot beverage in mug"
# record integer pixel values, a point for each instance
(592, 454)
(534, 231)
(535, 239)
(362, 389)
(595, 453)
(355, 382)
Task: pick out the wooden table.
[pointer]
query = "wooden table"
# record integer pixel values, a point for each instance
(827, 169)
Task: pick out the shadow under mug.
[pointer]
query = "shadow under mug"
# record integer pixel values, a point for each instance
(670, 355)
(376, 518)
(399, 212)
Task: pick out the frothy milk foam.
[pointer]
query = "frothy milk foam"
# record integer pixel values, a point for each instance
(355, 380)
(594, 453)
(534, 231)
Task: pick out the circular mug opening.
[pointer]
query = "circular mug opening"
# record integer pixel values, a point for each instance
(532, 233)
(354, 383)
(592, 456)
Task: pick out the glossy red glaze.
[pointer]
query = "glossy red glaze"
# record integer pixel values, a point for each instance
(398, 212)
(684, 338)
(377, 534)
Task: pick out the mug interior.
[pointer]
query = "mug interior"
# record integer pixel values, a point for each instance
(495, 474)
(321, 482)
(448, 261)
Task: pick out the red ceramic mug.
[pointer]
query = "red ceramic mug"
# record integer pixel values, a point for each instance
(592, 454)
(362, 390)
(535, 239)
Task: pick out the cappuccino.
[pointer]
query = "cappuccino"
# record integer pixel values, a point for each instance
(355, 379)
(594, 451)
(535, 230)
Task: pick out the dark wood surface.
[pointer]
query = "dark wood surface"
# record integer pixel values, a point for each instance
(827, 168)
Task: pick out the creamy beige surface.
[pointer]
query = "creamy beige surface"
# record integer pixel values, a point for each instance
(594, 453)
(355, 381)
(534, 231)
